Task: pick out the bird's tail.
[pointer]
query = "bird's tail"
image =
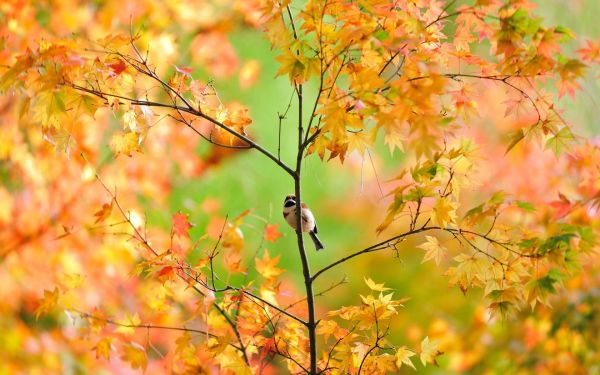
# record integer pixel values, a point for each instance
(318, 243)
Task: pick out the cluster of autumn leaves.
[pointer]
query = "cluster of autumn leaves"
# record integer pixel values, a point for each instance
(114, 289)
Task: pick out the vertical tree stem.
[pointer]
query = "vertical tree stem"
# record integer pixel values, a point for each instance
(311, 324)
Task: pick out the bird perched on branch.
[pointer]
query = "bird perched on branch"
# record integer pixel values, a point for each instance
(308, 219)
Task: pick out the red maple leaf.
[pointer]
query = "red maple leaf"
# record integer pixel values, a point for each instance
(118, 66)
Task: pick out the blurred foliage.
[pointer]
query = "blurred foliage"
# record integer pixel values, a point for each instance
(350, 200)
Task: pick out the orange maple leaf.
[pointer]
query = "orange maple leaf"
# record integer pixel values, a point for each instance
(267, 267)
(104, 212)
(181, 225)
(272, 232)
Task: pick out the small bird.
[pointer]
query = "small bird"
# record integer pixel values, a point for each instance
(308, 219)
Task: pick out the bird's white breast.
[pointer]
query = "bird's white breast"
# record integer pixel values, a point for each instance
(307, 217)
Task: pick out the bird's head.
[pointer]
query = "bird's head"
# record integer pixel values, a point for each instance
(290, 201)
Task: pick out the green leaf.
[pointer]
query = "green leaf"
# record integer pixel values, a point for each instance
(555, 243)
(525, 206)
(560, 141)
(474, 211)
(497, 198)
(566, 33)
(417, 193)
(426, 171)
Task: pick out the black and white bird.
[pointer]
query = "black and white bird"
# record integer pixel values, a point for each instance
(308, 219)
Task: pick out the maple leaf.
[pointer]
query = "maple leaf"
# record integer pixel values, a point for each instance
(117, 67)
(540, 289)
(433, 250)
(185, 70)
(103, 348)
(48, 303)
(233, 238)
(470, 271)
(125, 143)
(114, 41)
(403, 357)
(327, 328)
(23, 63)
(514, 139)
(104, 212)
(60, 138)
(136, 355)
(233, 259)
(560, 141)
(376, 287)
(129, 120)
(267, 267)
(269, 349)
(183, 343)
(591, 52)
(166, 273)
(72, 281)
(298, 67)
(272, 232)
(49, 108)
(127, 324)
(561, 206)
(444, 212)
(429, 351)
(181, 225)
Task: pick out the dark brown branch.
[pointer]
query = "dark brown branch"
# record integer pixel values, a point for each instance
(147, 326)
(187, 109)
(385, 244)
(311, 325)
(378, 246)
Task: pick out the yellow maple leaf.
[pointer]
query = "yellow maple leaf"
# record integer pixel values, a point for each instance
(59, 138)
(326, 328)
(376, 287)
(135, 354)
(125, 143)
(429, 351)
(127, 324)
(48, 303)
(267, 267)
(403, 357)
(72, 281)
(444, 212)
(103, 348)
(129, 120)
(433, 250)
(297, 67)
(471, 271)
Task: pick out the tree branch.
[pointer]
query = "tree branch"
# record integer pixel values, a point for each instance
(187, 109)
(147, 326)
(310, 303)
(385, 244)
